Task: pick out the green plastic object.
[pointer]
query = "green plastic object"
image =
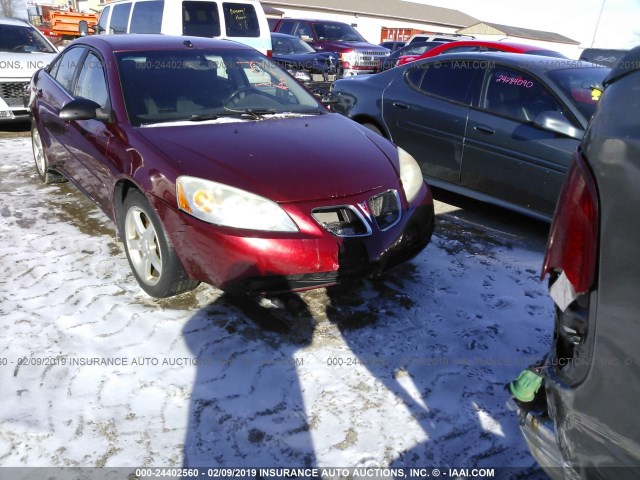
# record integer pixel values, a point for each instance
(525, 387)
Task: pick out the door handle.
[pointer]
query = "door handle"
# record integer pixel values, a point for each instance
(483, 129)
(403, 106)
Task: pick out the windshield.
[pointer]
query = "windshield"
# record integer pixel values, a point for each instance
(288, 46)
(582, 85)
(167, 86)
(19, 39)
(337, 31)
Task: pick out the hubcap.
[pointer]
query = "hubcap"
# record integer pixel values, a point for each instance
(142, 245)
(38, 152)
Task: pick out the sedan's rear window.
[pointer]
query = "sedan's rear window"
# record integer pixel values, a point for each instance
(582, 85)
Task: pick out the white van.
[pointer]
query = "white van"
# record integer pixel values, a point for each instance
(241, 20)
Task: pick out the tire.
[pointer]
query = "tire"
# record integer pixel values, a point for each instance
(151, 255)
(46, 175)
(373, 128)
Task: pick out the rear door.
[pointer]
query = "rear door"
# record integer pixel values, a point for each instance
(426, 112)
(506, 156)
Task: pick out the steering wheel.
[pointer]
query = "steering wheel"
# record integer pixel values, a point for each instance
(245, 91)
(19, 48)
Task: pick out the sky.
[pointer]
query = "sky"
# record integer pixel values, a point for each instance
(619, 25)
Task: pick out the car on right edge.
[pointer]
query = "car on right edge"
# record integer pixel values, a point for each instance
(591, 375)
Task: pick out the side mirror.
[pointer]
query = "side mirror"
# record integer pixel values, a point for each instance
(557, 123)
(83, 28)
(81, 109)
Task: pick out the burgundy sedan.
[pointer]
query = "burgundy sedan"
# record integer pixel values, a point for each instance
(218, 167)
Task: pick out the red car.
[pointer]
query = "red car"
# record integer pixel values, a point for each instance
(480, 46)
(217, 166)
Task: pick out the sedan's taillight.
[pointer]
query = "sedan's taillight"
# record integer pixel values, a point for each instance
(573, 239)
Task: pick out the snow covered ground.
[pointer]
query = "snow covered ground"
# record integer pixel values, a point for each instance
(407, 370)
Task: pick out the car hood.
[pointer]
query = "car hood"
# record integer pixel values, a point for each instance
(298, 158)
(23, 65)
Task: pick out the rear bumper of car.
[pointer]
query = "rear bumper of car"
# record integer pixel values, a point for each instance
(312, 258)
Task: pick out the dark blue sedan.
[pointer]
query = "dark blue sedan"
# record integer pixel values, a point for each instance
(302, 61)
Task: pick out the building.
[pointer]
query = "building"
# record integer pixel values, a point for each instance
(370, 17)
(548, 40)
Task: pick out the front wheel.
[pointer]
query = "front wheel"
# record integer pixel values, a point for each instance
(151, 255)
(373, 128)
(42, 164)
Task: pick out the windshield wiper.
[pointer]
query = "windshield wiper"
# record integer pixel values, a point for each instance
(203, 117)
(256, 113)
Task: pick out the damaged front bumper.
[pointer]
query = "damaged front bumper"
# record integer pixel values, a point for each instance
(269, 262)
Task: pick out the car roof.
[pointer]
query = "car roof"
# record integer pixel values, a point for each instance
(534, 63)
(283, 35)
(15, 21)
(492, 43)
(152, 41)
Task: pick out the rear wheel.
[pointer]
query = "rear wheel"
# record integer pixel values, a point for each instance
(151, 255)
(42, 164)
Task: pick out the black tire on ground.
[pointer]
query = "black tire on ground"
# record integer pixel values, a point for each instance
(47, 176)
(373, 128)
(151, 255)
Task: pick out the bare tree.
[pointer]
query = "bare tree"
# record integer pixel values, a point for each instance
(7, 8)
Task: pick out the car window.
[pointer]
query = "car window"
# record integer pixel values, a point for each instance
(120, 18)
(517, 94)
(102, 23)
(581, 85)
(468, 48)
(241, 20)
(287, 26)
(91, 82)
(67, 66)
(304, 30)
(447, 80)
(200, 19)
(147, 17)
(165, 86)
(22, 39)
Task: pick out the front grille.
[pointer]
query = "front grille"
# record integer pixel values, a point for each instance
(342, 221)
(370, 58)
(14, 93)
(385, 208)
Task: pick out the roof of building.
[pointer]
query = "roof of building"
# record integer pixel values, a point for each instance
(392, 9)
(486, 28)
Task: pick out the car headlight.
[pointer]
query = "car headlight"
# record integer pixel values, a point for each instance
(220, 204)
(410, 175)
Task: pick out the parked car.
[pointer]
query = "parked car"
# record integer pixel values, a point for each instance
(393, 45)
(23, 50)
(602, 56)
(497, 127)
(438, 37)
(414, 49)
(587, 427)
(479, 46)
(243, 21)
(356, 54)
(302, 61)
(218, 167)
